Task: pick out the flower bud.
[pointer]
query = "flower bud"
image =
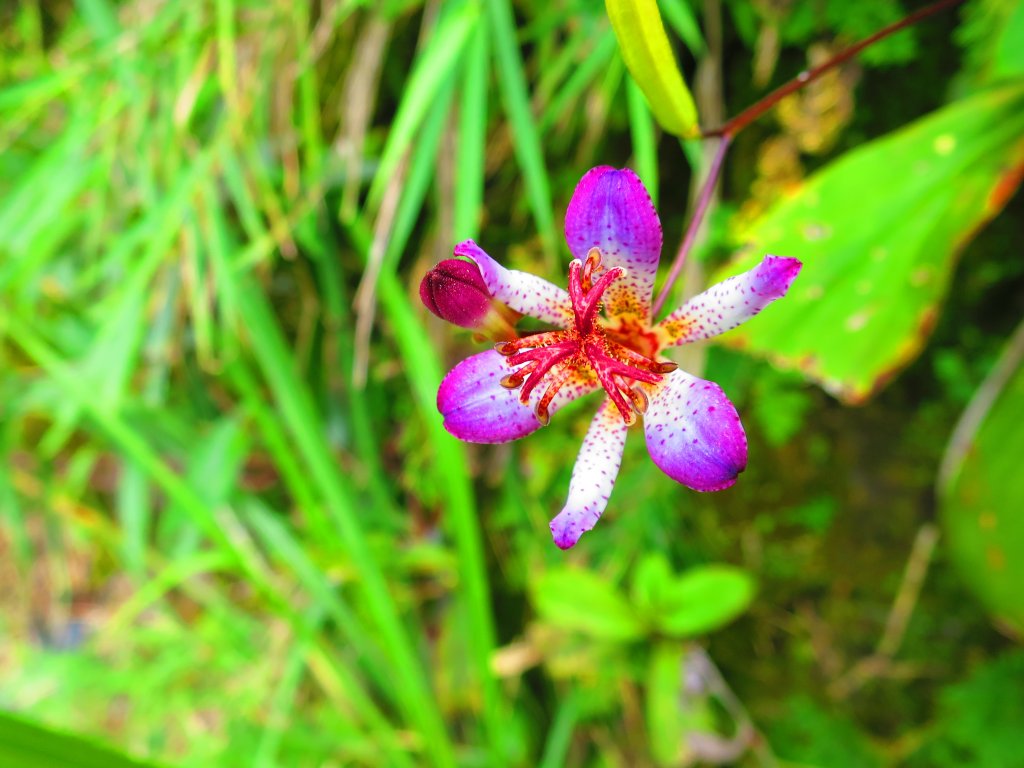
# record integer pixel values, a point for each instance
(455, 291)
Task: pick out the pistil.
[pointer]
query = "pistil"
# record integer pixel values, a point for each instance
(553, 356)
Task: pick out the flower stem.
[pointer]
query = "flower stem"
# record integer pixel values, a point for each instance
(730, 128)
(706, 192)
(752, 113)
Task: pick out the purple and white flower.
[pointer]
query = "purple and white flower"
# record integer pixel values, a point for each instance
(692, 430)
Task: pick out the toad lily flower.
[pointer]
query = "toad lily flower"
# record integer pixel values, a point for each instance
(693, 432)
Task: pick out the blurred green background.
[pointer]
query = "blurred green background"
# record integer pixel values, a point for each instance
(232, 529)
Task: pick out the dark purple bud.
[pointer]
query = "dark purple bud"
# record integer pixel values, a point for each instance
(455, 291)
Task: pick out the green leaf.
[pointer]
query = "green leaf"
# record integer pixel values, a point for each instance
(982, 489)
(652, 577)
(27, 745)
(878, 231)
(1009, 59)
(583, 601)
(704, 599)
(648, 55)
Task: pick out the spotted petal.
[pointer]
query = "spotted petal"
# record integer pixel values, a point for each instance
(694, 434)
(525, 293)
(478, 409)
(611, 210)
(597, 466)
(729, 303)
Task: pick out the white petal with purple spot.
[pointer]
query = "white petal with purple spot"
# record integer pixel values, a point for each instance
(525, 293)
(611, 210)
(694, 434)
(729, 303)
(593, 476)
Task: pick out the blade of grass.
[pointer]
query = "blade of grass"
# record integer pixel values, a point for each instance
(24, 744)
(644, 135)
(450, 462)
(522, 125)
(567, 58)
(682, 19)
(430, 73)
(289, 549)
(132, 445)
(351, 407)
(556, 748)
(392, 235)
(582, 78)
(470, 175)
(132, 506)
(299, 413)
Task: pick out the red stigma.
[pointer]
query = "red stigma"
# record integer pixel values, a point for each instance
(553, 356)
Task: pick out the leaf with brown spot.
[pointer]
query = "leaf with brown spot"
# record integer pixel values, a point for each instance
(981, 489)
(879, 231)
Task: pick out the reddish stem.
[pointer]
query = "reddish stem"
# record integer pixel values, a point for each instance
(752, 113)
(706, 193)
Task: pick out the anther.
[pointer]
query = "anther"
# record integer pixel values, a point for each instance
(665, 367)
(514, 380)
(505, 348)
(592, 263)
(638, 399)
(542, 413)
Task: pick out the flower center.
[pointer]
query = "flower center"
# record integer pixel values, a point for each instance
(586, 349)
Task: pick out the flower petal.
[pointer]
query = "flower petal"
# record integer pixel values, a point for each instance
(525, 293)
(611, 210)
(593, 476)
(694, 434)
(476, 408)
(729, 303)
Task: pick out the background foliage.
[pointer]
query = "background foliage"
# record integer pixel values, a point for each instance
(232, 529)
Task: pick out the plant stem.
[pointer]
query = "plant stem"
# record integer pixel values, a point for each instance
(731, 127)
(698, 216)
(750, 114)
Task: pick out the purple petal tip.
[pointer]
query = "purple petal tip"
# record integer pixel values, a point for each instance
(775, 274)
(565, 532)
(694, 434)
(475, 406)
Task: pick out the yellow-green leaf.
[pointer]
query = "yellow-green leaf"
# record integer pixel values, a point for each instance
(648, 55)
(879, 231)
(981, 490)
(580, 600)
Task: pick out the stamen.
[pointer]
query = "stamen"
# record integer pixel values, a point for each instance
(508, 348)
(593, 262)
(576, 289)
(638, 399)
(515, 379)
(553, 357)
(560, 376)
(546, 359)
(644, 363)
